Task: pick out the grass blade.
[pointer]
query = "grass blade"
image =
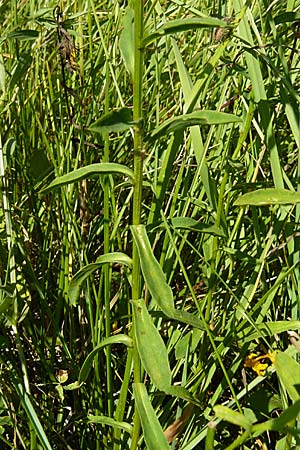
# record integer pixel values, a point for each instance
(32, 415)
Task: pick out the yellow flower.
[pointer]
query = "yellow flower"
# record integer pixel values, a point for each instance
(253, 361)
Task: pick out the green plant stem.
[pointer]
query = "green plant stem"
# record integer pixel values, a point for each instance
(106, 268)
(138, 183)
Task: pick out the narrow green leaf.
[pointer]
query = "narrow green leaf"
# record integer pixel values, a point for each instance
(73, 386)
(195, 118)
(234, 417)
(185, 317)
(153, 353)
(86, 367)
(110, 422)
(156, 280)
(86, 271)
(180, 25)
(8, 152)
(153, 433)
(151, 347)
(288, 371)
(23, 35)
(153, 274)
(187, 223)
(181, 392)
(255, 73)
(126, 42)
(88, 172)
(32, 415)
(269, 196)
(114, 121)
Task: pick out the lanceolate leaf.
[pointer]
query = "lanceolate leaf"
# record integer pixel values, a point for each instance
(151, 347)
(278, 424)
(153, 353)
(234, 417)
(104, 420)
(181, 392)
(23, 35)
(188, 223)
(156, 280)
(88, 172)
(180, 25)
(86, 271)
(153, 274)
(114, 121)
(153, 433)
(195, 118)
(270, 196)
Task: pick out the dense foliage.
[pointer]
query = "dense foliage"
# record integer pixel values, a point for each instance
(149, 250)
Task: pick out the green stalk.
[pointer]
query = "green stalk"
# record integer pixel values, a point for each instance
(138, 177)
(106, 268)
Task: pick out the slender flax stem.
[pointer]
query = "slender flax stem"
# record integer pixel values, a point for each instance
(106, 268)
(138, 173)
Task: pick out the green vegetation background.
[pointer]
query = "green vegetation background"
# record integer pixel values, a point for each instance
(149, 232)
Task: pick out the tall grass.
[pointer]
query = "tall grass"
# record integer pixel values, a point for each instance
(150, 225)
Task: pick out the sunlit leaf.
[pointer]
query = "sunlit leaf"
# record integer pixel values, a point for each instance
(188, 223)
(280, 422)
(151, 347)
(90, 171)
(234, 417)
(266, 329)
(270, 196)
(181, 25)
(110, 422)
(195, 118)
(156, 280)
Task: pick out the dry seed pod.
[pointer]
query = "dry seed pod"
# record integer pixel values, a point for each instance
(222, 33)
(66, 49)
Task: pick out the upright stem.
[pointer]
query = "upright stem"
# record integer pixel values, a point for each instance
(106, 268)
(137, 110)
(138, 177)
